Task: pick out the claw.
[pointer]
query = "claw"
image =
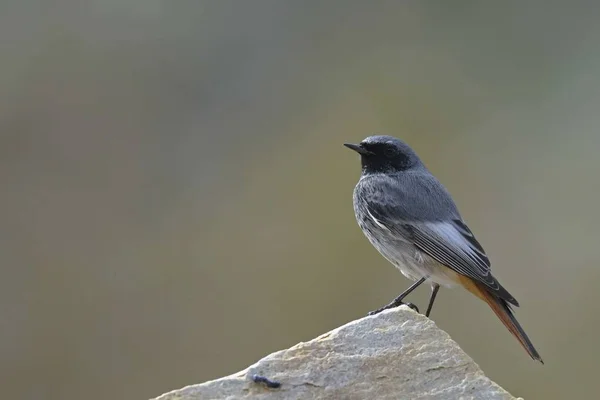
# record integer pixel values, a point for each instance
(374, 312)
(411, 305)
(393, 304)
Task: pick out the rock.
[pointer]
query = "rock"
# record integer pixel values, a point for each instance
(397, 354)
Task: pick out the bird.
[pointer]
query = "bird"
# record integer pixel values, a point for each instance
(412, 220)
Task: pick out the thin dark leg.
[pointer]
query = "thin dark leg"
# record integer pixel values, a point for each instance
(434, 289)
(398, 300)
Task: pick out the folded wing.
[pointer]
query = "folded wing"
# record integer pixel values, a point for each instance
(450, 242)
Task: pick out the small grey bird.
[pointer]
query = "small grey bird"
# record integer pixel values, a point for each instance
(411, 219)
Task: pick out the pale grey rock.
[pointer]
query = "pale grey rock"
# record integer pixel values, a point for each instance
(397, 354)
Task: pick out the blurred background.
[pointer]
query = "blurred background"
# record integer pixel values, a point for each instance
(176, 201)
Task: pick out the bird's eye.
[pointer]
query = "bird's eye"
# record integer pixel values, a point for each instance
(389, 152)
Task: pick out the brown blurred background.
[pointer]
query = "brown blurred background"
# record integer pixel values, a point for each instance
(176, 201)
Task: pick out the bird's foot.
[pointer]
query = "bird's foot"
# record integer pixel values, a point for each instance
(393, 304)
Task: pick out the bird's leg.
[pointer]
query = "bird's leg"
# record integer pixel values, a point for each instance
(398, 300)
(434, 289)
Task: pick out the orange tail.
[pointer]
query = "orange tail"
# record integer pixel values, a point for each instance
(503, 311)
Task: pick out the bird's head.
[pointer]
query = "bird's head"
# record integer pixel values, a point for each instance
(385, 154)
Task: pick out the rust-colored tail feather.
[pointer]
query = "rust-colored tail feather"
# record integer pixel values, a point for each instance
(503, 311)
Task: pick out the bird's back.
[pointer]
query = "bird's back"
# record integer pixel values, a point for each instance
(409, 196)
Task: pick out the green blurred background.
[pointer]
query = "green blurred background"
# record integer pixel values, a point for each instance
(176, 201)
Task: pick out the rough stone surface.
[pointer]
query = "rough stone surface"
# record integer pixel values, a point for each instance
(397, 354)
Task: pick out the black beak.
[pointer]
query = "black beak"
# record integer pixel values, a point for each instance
(358, 148)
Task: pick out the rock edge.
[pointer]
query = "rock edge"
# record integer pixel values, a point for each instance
(398, 354)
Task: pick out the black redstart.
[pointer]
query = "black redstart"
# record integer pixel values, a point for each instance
(411, 219)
